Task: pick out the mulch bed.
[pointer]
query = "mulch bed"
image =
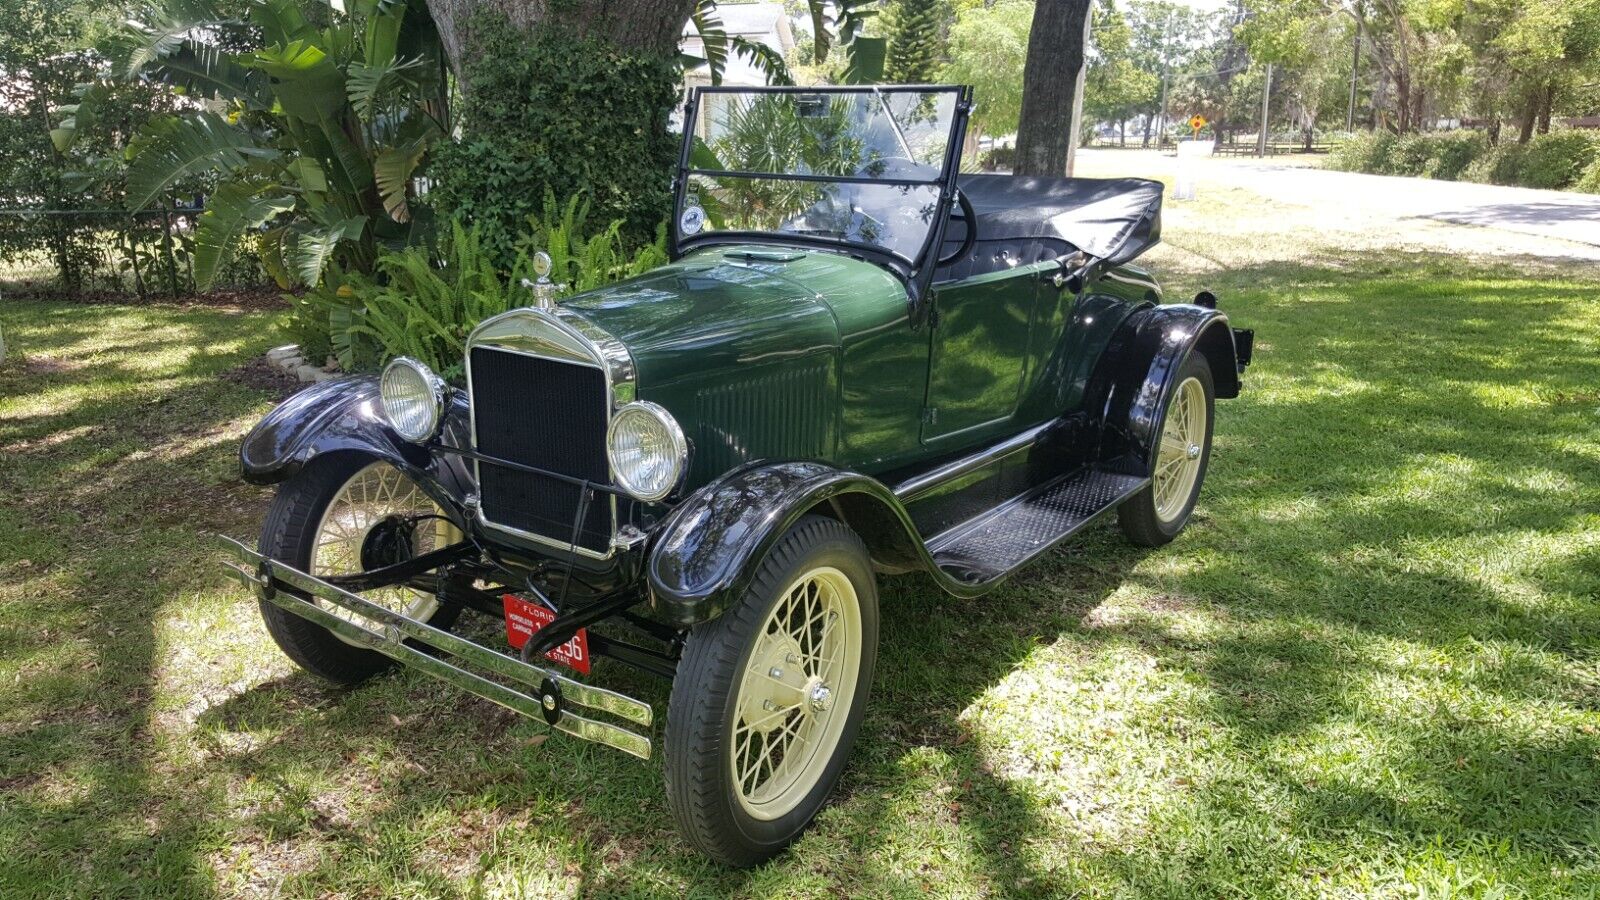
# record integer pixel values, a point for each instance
(263, 376)
(246, 299)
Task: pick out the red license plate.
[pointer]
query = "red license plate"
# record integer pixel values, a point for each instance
(524, 617)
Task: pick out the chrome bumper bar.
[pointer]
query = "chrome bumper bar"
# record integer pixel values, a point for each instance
(552, 694)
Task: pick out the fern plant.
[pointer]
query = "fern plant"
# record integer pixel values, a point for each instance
(423, 304)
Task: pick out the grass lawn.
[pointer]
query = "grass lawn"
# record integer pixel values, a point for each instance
(1370, 668)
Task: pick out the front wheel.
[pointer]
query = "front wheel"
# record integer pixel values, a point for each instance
(342, 514)
(768, 698)
(1156, 515)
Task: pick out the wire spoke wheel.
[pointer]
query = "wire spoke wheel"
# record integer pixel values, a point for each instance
(795, 693)
(1183, 440)
(769, 695)
(380, 517)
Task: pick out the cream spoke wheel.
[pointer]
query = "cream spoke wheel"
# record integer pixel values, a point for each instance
(795, 694)
(380, 517)
(1182, 446)
(769, 695)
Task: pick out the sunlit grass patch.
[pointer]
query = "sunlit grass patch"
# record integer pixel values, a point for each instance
(1371, 668)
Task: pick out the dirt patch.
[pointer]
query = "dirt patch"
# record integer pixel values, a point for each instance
(49, 365)
(1120, 615)
(263, 376)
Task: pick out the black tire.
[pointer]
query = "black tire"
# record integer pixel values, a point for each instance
(704, 707)
(289, 534)
(1138, 515)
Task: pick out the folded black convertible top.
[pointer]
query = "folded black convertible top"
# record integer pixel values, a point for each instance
(1115, 219)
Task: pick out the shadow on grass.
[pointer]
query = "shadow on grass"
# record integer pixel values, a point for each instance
(1394, 554)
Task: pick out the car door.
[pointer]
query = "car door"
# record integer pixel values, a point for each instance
(978, 361)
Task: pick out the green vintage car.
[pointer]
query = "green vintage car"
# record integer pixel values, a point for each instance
(859, 362)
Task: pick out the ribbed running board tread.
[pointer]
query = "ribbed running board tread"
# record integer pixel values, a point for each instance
(1004, 538)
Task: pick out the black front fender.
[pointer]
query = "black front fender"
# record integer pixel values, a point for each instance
(705, 553)
(346, 415)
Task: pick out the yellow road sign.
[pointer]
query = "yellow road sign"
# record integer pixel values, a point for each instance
(1197, 122)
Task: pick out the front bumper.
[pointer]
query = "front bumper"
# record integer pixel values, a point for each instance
(395, 636)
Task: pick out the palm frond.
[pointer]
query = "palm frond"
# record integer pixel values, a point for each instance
(209, 72)
(172, 148)
(850, 16)
(713, 37)
(766, 60)
(157, 31)
(392, 169)
(234, 209)
(309, 250)
(365, 85)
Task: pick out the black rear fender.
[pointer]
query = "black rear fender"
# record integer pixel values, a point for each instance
(1137, 375)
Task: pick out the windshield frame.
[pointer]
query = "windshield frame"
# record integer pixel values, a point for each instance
(915, 271)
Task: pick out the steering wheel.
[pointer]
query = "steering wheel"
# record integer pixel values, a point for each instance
(970, 217)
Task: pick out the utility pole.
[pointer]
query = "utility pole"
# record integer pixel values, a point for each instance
(1166, 51)
(1355, 66)
(1266, 107)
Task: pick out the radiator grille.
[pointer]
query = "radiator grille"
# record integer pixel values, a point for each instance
(549, 414)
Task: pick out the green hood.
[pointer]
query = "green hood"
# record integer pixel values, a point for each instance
(744, 345)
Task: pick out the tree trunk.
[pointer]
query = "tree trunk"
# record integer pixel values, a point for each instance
(1530, 117)
(1545, 110)
(1149, 120)
(972, 145)
(1049, 83)
(646, 26)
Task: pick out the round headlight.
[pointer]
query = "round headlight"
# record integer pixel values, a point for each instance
(647, 450)
(413, 398)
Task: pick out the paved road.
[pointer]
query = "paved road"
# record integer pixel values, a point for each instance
(1559, 215)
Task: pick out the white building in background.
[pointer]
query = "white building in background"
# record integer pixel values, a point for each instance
(764, 23)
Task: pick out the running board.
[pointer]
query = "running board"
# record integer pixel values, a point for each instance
(997, 542)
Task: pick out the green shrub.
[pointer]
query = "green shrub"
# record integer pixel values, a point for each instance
(1502, 164)
(1366, 152)
(1002, 157)
(1589, 182)
(1450, 152)
(421, 303)
(1407, 155)
(1442, 155)
(556, 112)
(1556, 160)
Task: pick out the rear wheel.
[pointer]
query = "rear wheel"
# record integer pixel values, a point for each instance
(340, 515)
(1156, 515)
(768, 698)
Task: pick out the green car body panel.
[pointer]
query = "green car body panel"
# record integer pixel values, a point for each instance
(815, 355)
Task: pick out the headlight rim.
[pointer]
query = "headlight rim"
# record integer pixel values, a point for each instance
(436, 394)
(680, 449)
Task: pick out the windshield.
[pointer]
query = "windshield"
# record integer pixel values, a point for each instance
(863, 167)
